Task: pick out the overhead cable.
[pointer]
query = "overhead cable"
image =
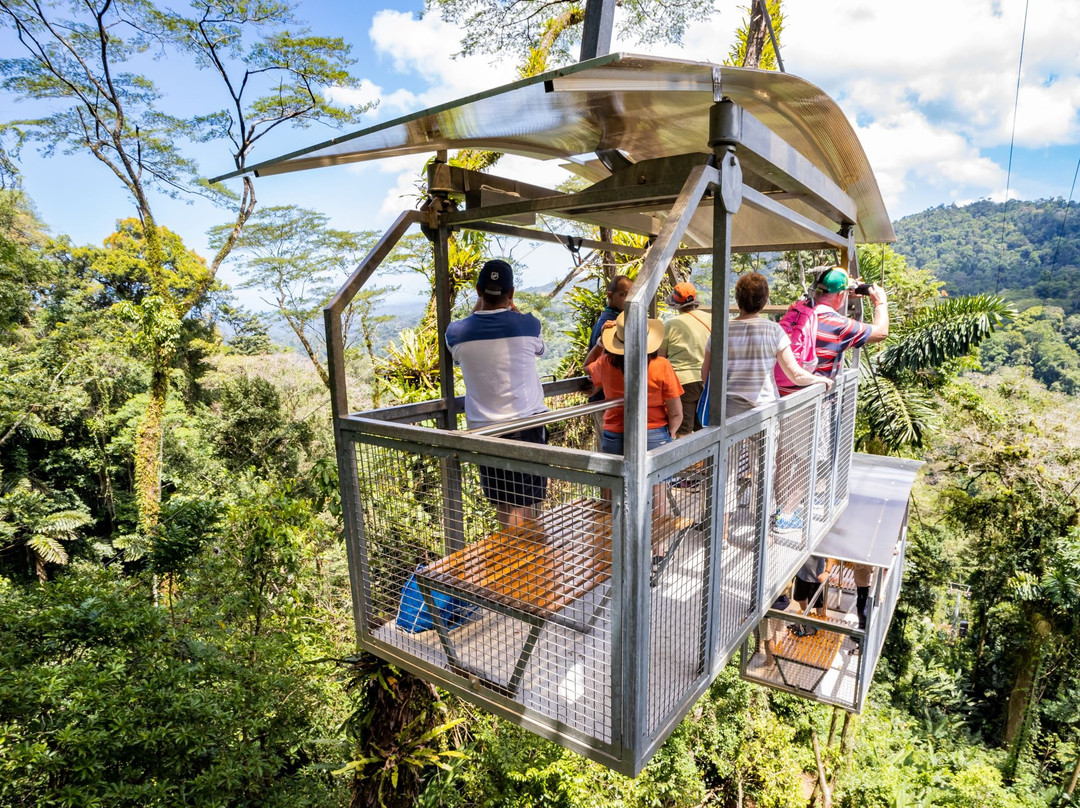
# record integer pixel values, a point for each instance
(1012, 143)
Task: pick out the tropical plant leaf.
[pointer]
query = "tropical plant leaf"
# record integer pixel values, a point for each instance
(939, 333)
(63, 524)
(898, 415)
(47, 548)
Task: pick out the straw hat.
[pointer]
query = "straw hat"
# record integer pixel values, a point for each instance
(614, 338)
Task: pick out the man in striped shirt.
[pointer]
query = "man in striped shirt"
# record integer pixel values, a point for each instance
(837, 332)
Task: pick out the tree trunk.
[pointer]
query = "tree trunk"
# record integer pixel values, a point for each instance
(822, 780)
(148, 438)
(392, 700)
(755, 35)
(1022, 700)
(1071, 787)
(1023, 688)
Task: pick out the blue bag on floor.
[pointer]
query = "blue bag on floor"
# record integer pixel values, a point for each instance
(413, 615)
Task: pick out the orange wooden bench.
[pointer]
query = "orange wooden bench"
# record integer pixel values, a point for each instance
(807, 659)
(534, 571)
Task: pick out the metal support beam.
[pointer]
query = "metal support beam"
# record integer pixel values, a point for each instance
(637, 504)
(596, 33)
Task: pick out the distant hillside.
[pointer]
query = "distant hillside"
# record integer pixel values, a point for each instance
(982, 247)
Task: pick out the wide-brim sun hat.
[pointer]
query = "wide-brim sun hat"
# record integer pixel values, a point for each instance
(614, 339)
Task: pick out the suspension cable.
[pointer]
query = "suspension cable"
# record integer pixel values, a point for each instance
(1065, 218)
(1012, 144)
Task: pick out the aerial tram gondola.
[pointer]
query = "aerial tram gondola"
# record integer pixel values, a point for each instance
(600, 621)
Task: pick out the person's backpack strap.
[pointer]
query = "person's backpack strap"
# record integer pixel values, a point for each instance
(800, 324)
(707, 326)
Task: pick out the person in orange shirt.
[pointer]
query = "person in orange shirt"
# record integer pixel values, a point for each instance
(605, 366)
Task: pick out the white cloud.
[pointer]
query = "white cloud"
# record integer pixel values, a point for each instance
(424, 47)
(928, 85)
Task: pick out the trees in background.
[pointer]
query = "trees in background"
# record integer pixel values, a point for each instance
(78, 58)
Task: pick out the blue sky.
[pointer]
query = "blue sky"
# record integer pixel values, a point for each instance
(929, 86)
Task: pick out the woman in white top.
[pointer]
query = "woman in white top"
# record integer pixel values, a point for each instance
(755, 346)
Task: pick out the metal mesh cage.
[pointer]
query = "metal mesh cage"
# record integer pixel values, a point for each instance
(789, 528)
(502, 575)
(847, 438)
(821, 509)
(679, 581)
(739, 557)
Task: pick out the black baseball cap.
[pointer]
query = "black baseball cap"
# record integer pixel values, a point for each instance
(496, 278)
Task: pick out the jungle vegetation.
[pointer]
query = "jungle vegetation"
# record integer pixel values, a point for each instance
(175, 622)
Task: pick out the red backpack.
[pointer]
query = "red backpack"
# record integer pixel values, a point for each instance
(800, 324)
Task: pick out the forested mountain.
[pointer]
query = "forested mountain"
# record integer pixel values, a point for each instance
(1029, 251)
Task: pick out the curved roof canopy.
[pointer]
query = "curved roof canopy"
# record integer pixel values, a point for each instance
(644, 107)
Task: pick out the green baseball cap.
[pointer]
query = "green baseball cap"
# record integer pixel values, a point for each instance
(834, 280)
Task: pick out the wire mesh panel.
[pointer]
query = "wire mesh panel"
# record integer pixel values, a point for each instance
(497, 570)
(739, 558)
(790, 524)
(821, 509)
(879, 619)
(805, 657)
(578, 432)
(678, 619)
(847, 438)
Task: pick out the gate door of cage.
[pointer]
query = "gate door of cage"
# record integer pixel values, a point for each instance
(601, 620)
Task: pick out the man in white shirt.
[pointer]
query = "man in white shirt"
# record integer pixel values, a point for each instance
(496, 347)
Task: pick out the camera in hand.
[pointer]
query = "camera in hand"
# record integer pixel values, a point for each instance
(861, 289)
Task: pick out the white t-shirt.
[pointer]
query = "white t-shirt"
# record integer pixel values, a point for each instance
(497, 352)
(752, 349)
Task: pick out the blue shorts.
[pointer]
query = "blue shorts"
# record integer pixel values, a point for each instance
(612, 442)
(518, 488)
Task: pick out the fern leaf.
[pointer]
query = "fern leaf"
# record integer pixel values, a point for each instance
(47, 548)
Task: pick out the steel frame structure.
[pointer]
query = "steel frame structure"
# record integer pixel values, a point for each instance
(668, 191)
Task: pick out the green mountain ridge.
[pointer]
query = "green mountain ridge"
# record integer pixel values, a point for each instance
(1028, 251)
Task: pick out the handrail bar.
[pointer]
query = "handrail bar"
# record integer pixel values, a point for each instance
(419, 409)
(542, 418)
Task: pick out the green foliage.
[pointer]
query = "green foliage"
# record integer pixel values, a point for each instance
(106, 701)
(934, 335)
(1044, 339)
(491, 26)
(293, 255)
(1029, 253)
(252, 430)
(41, 522)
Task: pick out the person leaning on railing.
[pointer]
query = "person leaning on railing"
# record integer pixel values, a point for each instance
(836, 333)
(755, 346)
(605, 365)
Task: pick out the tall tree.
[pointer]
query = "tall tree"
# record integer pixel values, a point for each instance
(293, 255)
(77, 56)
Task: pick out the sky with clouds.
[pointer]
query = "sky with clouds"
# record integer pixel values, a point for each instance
(930, 88)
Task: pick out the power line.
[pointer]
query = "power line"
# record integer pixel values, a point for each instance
(1065, 218)
(1012, 143)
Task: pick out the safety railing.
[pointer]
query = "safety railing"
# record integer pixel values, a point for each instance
(535, 617)
(827, 657)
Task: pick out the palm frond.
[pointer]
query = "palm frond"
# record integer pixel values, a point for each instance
(63, 524)
(939, 333)
(897, 415)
